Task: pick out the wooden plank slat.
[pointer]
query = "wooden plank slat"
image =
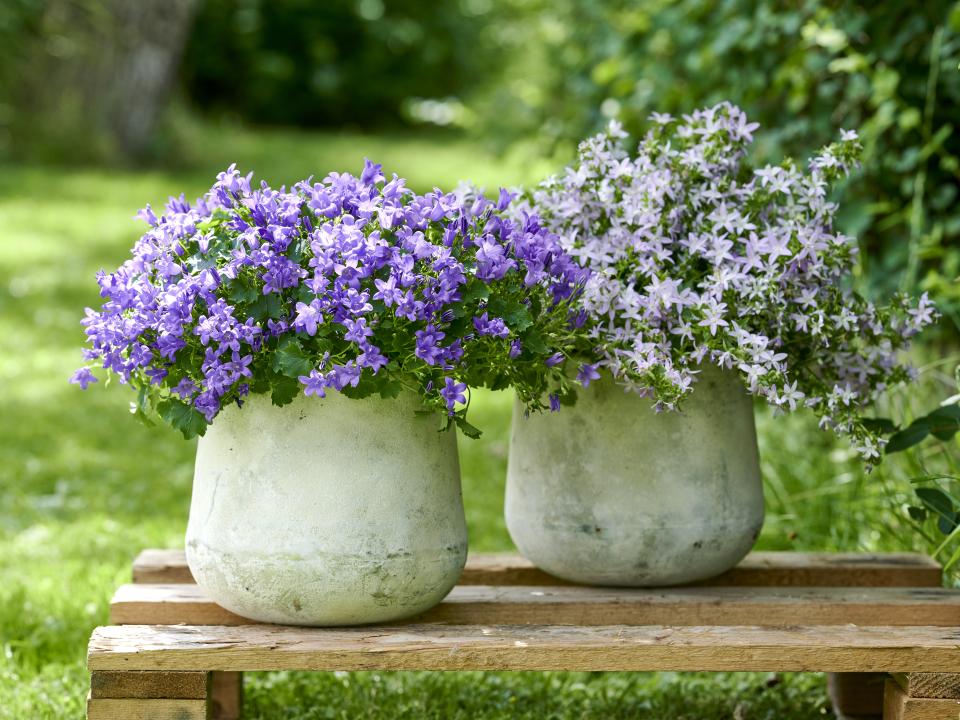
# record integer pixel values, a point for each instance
(786, 569)
(897, 705)
(435, 647)
(479, 604)
(161, 566)
(147, 710)
(158, 685)
(930, 685)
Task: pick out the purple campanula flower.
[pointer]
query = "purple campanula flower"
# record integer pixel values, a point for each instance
(314, 384)
(587, 374)
(232, 291)
(453, 393)
(428, 345)
(357, 330)
(83, 377)
(186, 388)
(554, 360)
(494, 327)
(554, 402)
(308, 317)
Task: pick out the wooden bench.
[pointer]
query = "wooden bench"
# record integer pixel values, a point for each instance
(170, 652)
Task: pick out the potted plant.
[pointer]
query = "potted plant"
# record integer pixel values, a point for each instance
(710, 281)
(327, 334)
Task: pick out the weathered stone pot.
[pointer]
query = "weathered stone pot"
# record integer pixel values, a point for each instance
(327, 511)
(608, 492)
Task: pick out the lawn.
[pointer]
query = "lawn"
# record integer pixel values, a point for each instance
(83, 487)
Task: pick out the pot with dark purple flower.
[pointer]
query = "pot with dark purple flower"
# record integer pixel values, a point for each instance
(710, 282)
(328, 336)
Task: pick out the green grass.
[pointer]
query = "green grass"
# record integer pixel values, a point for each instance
(83, 487)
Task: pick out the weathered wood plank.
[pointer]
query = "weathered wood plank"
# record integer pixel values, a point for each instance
(160, 685)
(786, 569)
(113, 709)
(572, 605)
(897, 705)
(930, 685)
(434, 647)
(226, 695)
(156, 565)
(168, 605)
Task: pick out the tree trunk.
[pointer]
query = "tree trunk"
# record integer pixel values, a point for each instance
(102, 74)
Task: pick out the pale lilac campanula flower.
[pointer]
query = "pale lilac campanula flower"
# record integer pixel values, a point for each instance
(695, 258)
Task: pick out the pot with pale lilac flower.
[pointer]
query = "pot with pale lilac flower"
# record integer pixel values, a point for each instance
(709, 282)
(322, 341)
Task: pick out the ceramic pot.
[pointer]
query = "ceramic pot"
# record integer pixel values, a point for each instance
(327, 511)
(609, 492)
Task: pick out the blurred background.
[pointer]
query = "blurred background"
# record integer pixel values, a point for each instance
(106, 105)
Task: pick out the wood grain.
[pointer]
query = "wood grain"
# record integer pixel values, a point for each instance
(433, 647)
(147, 710)
(759, 569)
(897, 705)
(163, 685)
(514, 605)
(930, 685)
(226, 695)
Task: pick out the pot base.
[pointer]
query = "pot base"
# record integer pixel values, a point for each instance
(326, 590)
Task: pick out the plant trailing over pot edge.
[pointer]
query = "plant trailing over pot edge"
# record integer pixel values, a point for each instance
(352, 284)
(697, 257)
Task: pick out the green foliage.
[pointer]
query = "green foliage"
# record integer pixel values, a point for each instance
(942, 423)
(331, 63)
(937, 507)
(19, 20)
(801, 69)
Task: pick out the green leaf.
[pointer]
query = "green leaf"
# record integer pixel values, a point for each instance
(291, 359)
(143, 407)
(514, 313)
(266, 306)
(533, 342)
(938, 501)
(466, 428)
(881, 426)
(947, 525)
(909, 437)
(188, 420)
(475, 290)
(283, 390)
(390, 389)
(918, 514)
(944, 422)
(362, 390)
(239, 291)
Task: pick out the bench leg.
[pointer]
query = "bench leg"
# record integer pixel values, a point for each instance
(919, 696)
(149, 695)
(856, 696)
(226, 691)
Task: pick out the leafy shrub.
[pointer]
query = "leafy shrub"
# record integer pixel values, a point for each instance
(293, 62)
(802, 70)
